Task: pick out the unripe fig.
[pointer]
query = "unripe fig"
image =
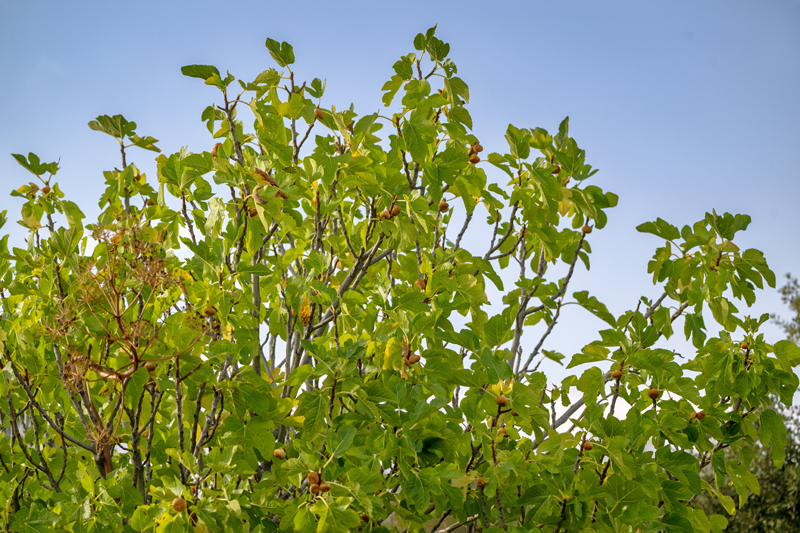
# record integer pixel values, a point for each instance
(653, 393)
(314, 489)
(279, 453)
(150, 366)
(421, 284)
(45, 189)
(474, 159)
(253, 212)
(214, 150)
(444, 207)
(692, 416)
(616, 374)
(318, 114)
(396, 210)
(477, 148)
(179, 504)
(313, 478)
(588, 446)
(209, 311)
(501, 400)
(586, 229)
(324, 487)
(701, 415)
(386, 215)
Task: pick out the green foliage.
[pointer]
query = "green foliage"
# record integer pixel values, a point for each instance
(776, 504)
(289, 304)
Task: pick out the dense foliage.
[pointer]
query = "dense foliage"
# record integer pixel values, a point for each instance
(292, 332)
(776, 506)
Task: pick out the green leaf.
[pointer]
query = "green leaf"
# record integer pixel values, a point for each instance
(282, 53)
(34, 166)
(660, 228)
(135, 386)
(498, 330)
(344, 440)
(204, 72)
(773, 434)
(115, 126)
(594, 306)
(418, 133)
(497, 369)
(788, 354)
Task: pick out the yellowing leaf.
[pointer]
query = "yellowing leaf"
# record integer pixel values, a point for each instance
(393, 354)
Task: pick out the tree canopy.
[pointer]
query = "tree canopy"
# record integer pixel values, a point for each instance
(292, 332)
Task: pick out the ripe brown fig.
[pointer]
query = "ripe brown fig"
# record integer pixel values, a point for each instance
(477, 148)
(279, 453)
(339, 264)
(474, 159)
(209, 311)
(654, 394)
(413, 359)
(267, 177)
(313, 478)
(324, 487)
(149, 203)
(444, 207)
(421, 284)
(586, 229)
(364, 517)
(514, 413)
(350, 126)
(557, 170)
(281, 194)
(588, 446)
(616, 374)
(481, 482)
(179, 504)
(150, 366)
(502, 432)
(314, 489)
(745, 344)
(214, 150)
(396, 210)
(501, 400)
(253, 212)
(386, 215)
(701, 415)
(318, 114)
(45, 189)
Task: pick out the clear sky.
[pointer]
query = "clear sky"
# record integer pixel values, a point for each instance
(684, 106)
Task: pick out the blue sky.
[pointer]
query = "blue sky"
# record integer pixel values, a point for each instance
(683, 106)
